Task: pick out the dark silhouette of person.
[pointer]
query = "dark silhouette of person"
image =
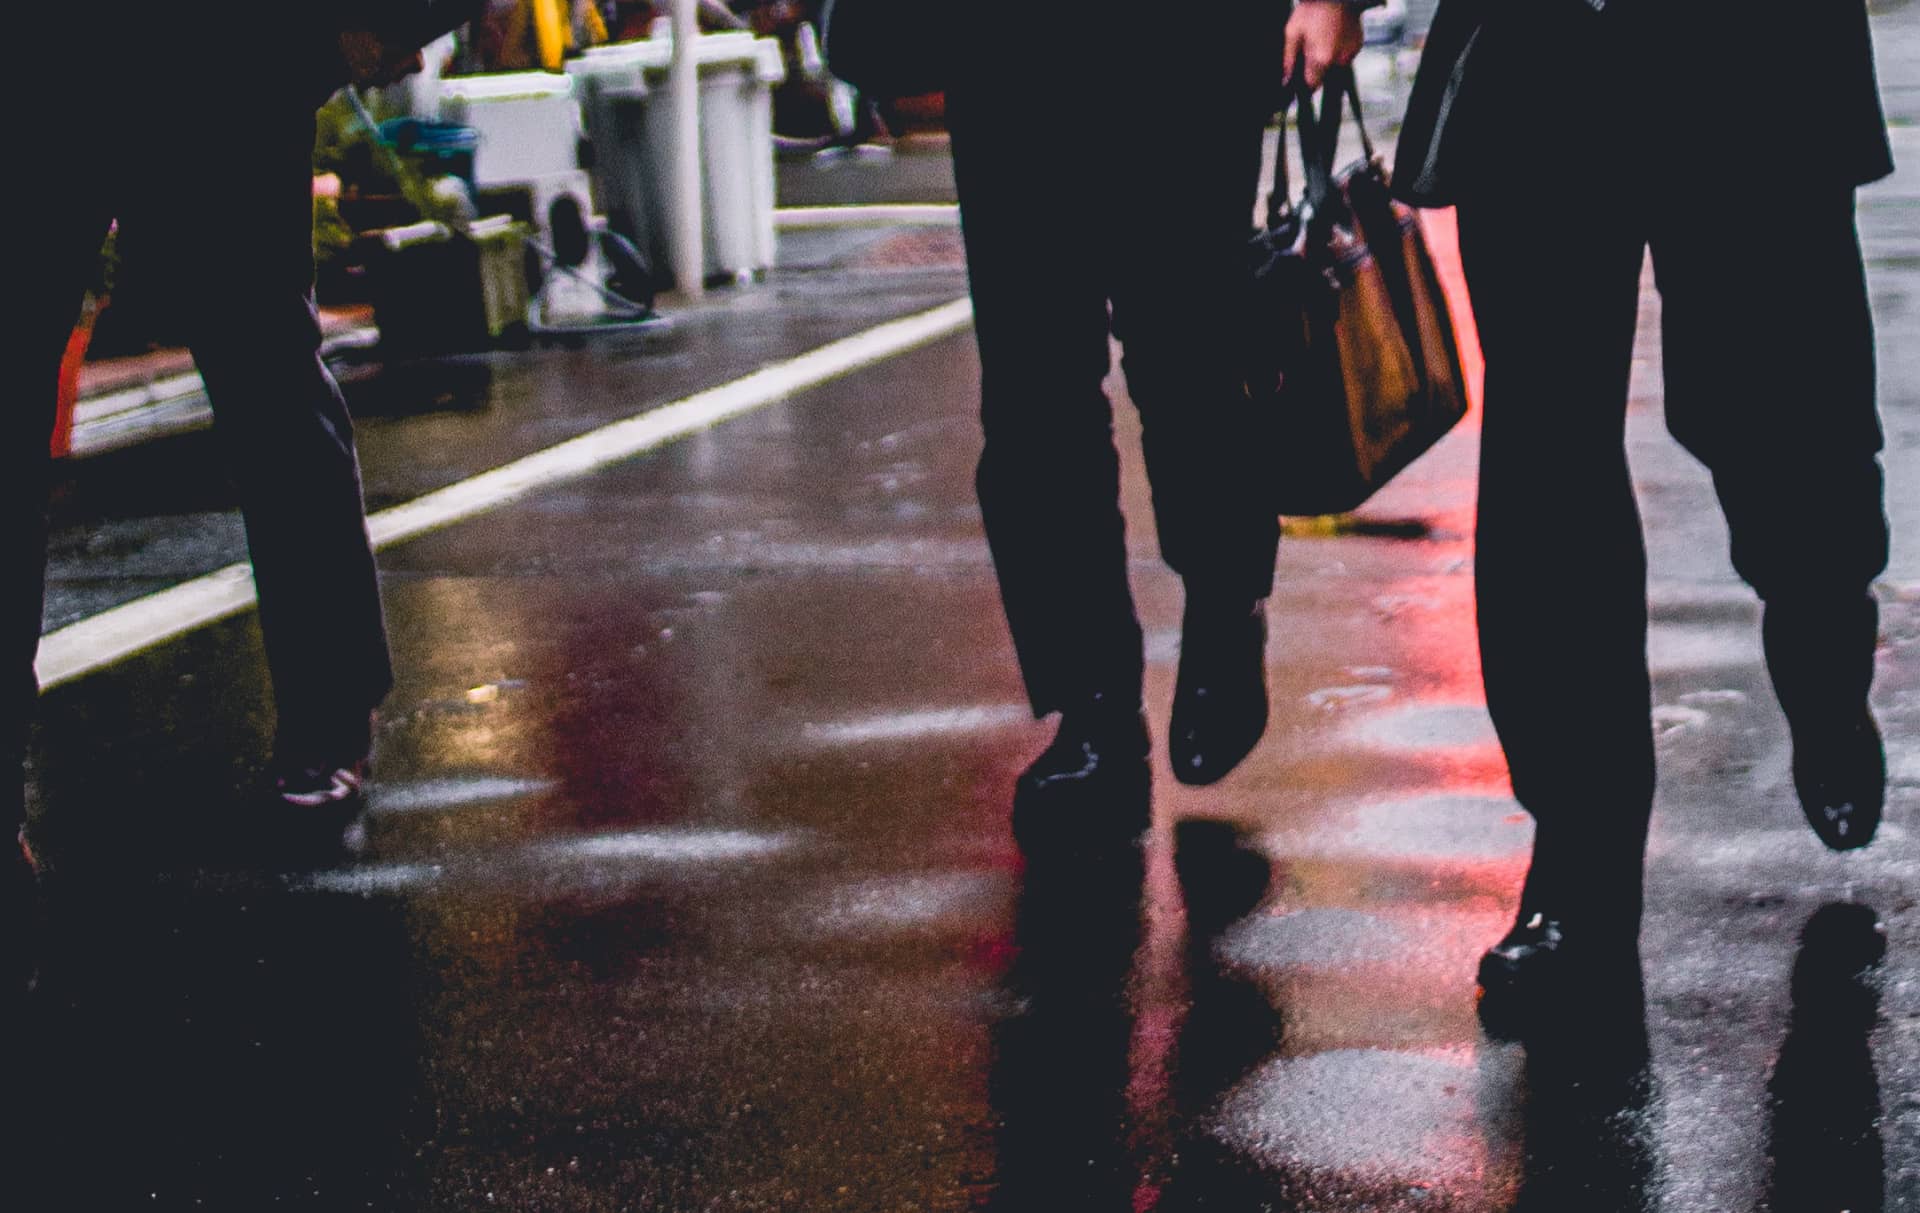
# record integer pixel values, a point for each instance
(193, 127)
(1107, 162)
(1566, 171)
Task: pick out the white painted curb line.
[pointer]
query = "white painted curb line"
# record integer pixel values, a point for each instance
(92, 644)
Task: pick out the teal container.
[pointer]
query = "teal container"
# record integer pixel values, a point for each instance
(443, 148)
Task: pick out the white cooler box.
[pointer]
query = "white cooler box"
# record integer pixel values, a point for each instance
(528, 123)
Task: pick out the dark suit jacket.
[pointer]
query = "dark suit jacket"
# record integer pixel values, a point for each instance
(1805, 91)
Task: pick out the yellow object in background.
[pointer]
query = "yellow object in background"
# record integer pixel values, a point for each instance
(540, 34)
(550, 32)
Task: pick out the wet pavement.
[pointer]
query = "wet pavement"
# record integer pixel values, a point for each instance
(688, 885)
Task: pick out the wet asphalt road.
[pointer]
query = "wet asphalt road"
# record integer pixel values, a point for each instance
(688, 885)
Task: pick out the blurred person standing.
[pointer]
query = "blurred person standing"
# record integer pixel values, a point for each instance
(204, 156)
(1107, 157)
(1575, 136)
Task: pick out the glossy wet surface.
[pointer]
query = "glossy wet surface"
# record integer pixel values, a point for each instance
(687, 882)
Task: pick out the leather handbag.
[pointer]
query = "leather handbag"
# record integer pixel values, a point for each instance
(888, 48)
(1352, 359)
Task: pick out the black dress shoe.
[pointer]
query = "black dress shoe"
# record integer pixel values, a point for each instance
(1526, 979)
(1527, 954)
(1220, 695)
(1840, 773)
(1091, 784)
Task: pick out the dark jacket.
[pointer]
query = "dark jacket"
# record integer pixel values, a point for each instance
(1804, 88)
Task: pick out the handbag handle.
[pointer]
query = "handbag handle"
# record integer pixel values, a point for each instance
(1319, 146)
(1319, 143)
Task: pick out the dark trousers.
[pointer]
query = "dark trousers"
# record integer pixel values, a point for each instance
(212, 188)
(1769, 375)
(1106, 188)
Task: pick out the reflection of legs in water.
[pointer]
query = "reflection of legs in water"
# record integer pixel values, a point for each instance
(1231, 1026)
(1068, 1076)
(1588, 1120)
(1824, 1096)
(1060, 1075)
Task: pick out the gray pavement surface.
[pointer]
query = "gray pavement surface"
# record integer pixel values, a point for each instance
(688, 884)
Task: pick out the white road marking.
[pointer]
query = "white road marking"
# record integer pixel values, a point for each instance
(93, 644)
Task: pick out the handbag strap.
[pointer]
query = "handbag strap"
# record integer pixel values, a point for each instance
(1280, 196)
(1341, 84)
(1319, 142)
(1319, 147)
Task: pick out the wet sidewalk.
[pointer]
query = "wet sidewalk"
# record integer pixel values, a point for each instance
(688, 883)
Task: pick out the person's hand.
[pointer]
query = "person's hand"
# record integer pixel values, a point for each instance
(372, 62)
(1321, 34)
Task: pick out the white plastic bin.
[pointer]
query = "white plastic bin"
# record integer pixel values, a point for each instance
(528, 122)
(629, 118)
(612, 84)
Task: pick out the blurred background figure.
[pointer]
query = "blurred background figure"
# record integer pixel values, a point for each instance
(204, 158)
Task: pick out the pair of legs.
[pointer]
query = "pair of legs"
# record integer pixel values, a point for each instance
(220, 224)
(1768, 350)
(1084, 220)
